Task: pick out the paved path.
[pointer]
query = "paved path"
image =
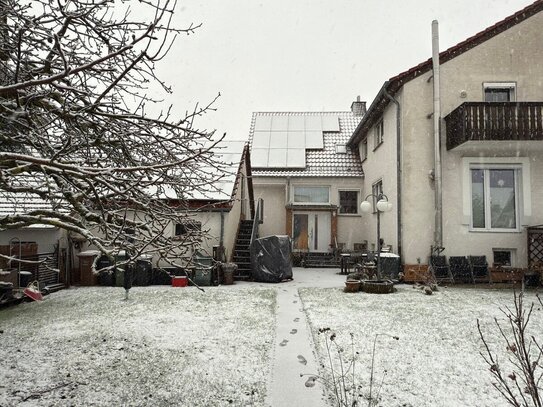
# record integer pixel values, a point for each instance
(294, 350)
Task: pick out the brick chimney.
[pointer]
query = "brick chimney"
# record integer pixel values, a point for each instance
(358, 108)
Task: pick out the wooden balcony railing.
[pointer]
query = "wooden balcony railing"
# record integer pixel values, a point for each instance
(474, 121)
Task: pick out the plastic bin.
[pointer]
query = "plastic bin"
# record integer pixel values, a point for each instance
(390, 266)
(25, 277)
(180, 281)
(203, 270)
(144, 271)
(105, 278)
(119, 271)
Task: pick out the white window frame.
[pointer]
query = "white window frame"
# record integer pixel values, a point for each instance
(364, 149)
(512, 255)
(378, 134)
(309, 186)
(357, 213)
(487, 203)
(375, 192)
(512, 86)
(522, 184)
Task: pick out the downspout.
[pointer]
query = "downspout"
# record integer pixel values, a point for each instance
(221, 238)
(438, 237)
(398, 171)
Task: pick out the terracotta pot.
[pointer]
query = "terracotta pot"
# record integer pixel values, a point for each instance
(352, 286)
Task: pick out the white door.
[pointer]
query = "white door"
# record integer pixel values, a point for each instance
(311, 231)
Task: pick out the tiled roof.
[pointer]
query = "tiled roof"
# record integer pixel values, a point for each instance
(325, 162)
(395, 83)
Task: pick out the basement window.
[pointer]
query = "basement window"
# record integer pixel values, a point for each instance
(503, 257)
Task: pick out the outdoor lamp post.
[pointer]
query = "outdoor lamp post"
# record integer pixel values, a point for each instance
(382, 206)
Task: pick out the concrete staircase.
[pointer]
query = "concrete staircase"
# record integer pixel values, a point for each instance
(242, 255)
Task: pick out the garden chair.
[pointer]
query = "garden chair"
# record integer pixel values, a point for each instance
(441, 269)
(479, 269)
(460, 269)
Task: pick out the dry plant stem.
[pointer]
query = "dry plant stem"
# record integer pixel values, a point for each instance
(346, 394)
(521, 386)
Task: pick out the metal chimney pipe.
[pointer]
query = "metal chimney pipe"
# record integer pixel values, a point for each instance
(438, 233)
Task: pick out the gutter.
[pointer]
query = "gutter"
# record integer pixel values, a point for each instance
(398, 171)
(368, 117)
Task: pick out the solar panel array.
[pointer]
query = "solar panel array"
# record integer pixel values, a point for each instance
(280, 141)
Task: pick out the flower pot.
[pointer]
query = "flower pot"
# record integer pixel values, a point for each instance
(377, 286)
(352, 286)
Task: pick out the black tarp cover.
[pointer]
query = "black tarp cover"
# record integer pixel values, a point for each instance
(271, 260)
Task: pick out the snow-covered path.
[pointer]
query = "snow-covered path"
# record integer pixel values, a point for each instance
(294, 352)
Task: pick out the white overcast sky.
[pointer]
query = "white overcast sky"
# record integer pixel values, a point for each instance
(307, 55)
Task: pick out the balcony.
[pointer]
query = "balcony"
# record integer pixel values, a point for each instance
(486, 121)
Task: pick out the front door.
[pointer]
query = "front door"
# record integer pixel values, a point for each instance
(311, 231)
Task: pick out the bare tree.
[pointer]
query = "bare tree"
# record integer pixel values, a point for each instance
(75, 129)
(517, 376)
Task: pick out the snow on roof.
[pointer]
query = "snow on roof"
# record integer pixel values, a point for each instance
(16, 204)
(325, 162)
(231, 154)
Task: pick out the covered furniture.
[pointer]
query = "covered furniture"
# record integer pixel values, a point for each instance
(460, 269)
(440, 269)
(479, 269)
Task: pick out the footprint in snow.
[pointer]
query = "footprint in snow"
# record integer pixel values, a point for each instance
(310, 382)
(284, 342)
(293, 331)
(296, 319)
(302, 360)
(294, 302)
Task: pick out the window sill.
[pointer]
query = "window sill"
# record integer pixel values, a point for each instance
(377, 146)
(494, 230)
(349, 215)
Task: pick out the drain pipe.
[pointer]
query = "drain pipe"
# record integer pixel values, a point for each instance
(438, 236)
(398, 171)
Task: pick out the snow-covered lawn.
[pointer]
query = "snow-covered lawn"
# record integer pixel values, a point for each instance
(165, 346)
(436, 361)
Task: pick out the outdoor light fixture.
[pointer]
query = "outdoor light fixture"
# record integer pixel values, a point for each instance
(382, 206)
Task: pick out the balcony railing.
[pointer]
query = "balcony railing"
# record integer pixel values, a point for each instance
(474, 121)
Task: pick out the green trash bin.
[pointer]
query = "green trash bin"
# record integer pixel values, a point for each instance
(119, 271)
(203, 270)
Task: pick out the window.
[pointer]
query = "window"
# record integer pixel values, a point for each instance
(378, 133)
(348, 202)
(341, 149)
(376, 190)
(494, 199)
(311, 194)
(503, 257)
(186, 228)
(499, 92)
(364, 149)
